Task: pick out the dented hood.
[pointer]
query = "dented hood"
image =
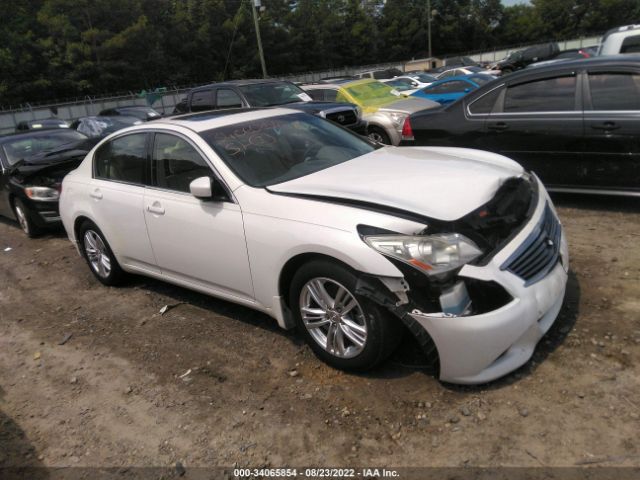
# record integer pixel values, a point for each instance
(436, 182)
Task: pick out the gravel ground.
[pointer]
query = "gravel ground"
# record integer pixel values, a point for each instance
(96, 376)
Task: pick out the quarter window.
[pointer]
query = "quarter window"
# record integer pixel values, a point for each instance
(226, 98)
(485, 103)
(548, 95)
(615, 91)
(176, 163)
(123, 159)
(202, 100)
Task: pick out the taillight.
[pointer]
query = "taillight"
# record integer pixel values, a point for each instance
(407, 131)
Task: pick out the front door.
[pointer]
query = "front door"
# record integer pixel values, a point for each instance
(197, 241)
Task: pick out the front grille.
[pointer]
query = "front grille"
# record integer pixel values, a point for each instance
(539, 253)
(345, 117)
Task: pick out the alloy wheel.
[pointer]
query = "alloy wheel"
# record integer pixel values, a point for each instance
(333, 317)
(97, 253)
(22, 219)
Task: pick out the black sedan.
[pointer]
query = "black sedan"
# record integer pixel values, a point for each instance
(33, 165)
(142, 113)
(576, 124)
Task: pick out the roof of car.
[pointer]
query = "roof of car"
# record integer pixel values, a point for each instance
(34, 133)
(606, 61)
(240, 83)
(207, 120)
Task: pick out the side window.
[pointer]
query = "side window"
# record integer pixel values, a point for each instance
(631, 44)
(226, 98)
(485, 103)
(548, 95)
(202, 100)
(448, 87)
(176, 163)
(123, 159)
(615, 91)
(316, 94)
(330, 95)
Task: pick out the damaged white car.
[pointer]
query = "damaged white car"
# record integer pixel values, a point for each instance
(351, 242)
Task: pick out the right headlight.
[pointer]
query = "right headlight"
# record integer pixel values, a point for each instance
(432, 254)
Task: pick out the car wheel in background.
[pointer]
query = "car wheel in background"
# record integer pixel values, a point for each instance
(344, 329)
(24, 217)
(96, 251)
(378, 134)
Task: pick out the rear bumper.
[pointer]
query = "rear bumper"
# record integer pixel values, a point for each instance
(480, 348)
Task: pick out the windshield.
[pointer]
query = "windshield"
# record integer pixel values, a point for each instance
(277, 149)
(24, 147)
(372, 93)
(273, 93)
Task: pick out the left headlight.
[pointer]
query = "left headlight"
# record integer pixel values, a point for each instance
(42, 194)
(432, 254)
(398, 119)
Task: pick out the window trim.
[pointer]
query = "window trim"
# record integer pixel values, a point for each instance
(147, 172)
(214, 172)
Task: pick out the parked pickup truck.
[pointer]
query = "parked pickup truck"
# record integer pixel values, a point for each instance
(270, 93)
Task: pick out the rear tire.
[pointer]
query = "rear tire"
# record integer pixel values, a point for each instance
(25, 219)
(99, 256)
(345, 330)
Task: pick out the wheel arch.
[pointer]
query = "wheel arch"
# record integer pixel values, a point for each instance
(292, 265)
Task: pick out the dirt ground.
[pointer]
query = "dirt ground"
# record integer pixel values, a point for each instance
(96, 376)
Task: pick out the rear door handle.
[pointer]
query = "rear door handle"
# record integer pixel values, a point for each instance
(605, 126)
(97, 194)
(499, 126)
(156, 208)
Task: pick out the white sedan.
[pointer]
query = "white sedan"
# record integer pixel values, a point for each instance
(349, 241)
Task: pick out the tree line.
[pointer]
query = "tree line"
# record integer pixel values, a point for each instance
(54, 49)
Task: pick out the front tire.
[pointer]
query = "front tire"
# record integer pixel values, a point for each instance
(25, 219)
(377, 134)
(345, 330)
(99, 256)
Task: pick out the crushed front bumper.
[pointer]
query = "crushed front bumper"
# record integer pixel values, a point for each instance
(479, 348)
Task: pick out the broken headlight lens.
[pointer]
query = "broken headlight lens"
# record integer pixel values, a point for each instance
(42, 194)
(432, 254)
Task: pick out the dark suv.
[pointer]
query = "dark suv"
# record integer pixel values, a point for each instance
(522, 58)
(269, 93)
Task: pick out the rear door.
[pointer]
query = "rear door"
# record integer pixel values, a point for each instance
(538, 122)
(612, 128)
(120, 173)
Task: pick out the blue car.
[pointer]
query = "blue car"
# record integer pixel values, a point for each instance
(451, 89)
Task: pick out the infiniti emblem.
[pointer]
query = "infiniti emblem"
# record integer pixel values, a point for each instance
(341, 118)
(550, 242)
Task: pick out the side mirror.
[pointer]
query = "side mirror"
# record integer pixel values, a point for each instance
(208, 188)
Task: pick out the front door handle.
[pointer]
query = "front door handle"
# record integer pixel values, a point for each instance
(97, 194)
(499, 126)
(156, 208)
(607, 126)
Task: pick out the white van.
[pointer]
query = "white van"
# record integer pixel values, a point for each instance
(621, 40)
